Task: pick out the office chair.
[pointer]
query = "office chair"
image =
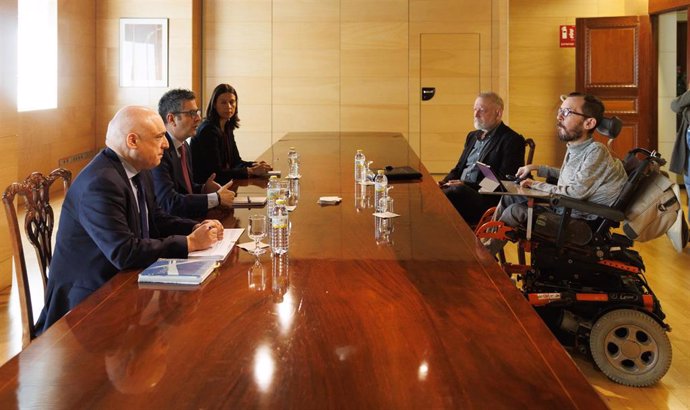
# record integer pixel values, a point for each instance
(38, 228)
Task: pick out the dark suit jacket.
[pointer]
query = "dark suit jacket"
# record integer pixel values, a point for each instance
(505, 152)
(99, 235)
(171, 190)
(210, 154)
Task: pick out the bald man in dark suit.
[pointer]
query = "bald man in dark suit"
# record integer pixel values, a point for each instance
(110, 221)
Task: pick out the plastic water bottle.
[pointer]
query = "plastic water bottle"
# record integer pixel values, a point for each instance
(272, 192)
(293, 163)
(360, 167)
(380, 185)
(279, 228)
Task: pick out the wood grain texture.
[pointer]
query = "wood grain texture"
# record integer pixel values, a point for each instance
(424, 321)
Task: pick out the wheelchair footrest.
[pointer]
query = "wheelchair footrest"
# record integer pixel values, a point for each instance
(496, 230)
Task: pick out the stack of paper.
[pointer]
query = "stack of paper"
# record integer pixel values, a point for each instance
(385, 215)
(180, 271)
(329, 200)
(221, 250)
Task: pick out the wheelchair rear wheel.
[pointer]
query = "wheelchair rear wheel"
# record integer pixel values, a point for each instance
(630, 347)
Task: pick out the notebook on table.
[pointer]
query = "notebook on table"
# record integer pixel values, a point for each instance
(178, 271)
(246, 201)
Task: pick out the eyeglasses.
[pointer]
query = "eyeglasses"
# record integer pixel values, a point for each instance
(565, 112)
(191, 113)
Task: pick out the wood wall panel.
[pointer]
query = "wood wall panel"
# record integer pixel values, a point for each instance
(372, 117)
(374, 90)
(245, 63)
(369, 50)
(287, 118)
(231, 12)
(305, 63)
(374, 36)
(299, 36)
(250, 35)
(374, 11)
(306, 90)
(451, 11)
(306, 10)
(109, 95)
(374, 63)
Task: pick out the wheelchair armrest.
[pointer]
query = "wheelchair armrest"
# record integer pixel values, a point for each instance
(588, 207)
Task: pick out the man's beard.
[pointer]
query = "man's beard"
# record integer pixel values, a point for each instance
(479, 125)
(567, 136)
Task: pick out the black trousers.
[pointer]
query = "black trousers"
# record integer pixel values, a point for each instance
(469, 203)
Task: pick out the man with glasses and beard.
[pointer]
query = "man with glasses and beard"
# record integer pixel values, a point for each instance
(588, 173)
(493, 143)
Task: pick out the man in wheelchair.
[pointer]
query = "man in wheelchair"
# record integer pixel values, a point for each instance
(588, 173)
(583, 280)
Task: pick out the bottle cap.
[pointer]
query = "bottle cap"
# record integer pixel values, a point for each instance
(280, 202)
(359, 150)
(380, 172)
(273, 177)
(292, 148)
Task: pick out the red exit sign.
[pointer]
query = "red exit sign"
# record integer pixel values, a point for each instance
(566, 35)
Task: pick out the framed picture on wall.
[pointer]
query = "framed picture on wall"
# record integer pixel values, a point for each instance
(143, 52)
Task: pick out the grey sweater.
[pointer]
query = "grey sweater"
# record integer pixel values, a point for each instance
(588, 173)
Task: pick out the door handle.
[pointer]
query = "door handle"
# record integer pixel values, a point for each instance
(428, 93)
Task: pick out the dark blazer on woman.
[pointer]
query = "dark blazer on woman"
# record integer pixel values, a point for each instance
(100, 235)
(214, 151)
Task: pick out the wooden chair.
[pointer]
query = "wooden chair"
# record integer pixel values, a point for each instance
(38, 228)
(530, 145)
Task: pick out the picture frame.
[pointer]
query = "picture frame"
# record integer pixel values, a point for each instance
(143, 52)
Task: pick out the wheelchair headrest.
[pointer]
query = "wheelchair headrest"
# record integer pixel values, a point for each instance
(610, 127)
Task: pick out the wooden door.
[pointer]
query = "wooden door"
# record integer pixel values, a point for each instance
(616, 61)
(450, 64)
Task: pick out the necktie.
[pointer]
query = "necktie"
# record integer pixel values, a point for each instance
(141, 199)
(185, 168)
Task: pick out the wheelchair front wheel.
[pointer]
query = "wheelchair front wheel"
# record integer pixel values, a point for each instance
(630, 347)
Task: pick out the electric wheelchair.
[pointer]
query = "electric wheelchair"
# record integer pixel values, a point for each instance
(588, 284)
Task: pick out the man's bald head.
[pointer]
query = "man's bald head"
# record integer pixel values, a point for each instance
(137, 134)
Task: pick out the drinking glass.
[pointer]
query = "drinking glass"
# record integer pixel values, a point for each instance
(369, 173)
(257, 231)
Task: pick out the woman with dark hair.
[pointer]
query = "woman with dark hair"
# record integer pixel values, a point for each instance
(213, 147)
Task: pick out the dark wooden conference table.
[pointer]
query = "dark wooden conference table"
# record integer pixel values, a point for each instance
(415, 315)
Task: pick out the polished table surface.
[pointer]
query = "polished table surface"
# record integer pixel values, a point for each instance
(359, 314)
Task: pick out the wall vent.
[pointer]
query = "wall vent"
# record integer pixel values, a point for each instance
(77, 158)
